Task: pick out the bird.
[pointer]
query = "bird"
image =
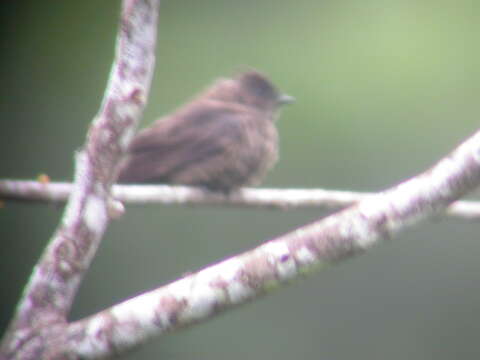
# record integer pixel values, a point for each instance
(224, 139)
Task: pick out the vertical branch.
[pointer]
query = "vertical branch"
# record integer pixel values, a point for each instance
(52, 287)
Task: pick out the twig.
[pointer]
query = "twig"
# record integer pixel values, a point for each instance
(281, 199)
(38, 327)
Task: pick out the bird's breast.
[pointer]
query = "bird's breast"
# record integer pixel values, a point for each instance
(262, 153)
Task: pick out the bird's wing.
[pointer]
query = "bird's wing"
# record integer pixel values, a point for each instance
(194, 139)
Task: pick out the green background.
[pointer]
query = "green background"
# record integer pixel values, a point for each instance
(383, 88)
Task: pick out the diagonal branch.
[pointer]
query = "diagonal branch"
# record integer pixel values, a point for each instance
(275, 199)
(242, 278)
(50, 291)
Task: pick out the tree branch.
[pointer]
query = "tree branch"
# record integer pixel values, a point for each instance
(242, 278)
(41, 314)
(263, 198)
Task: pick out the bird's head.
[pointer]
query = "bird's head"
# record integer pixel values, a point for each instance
(251, 89)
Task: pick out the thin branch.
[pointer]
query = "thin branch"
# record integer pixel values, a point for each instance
(41, 314)
(275, 199)
(242, 278)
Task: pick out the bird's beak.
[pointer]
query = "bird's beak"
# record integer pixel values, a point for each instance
(285, 99)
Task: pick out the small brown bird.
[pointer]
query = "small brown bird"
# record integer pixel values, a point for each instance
(224, 139)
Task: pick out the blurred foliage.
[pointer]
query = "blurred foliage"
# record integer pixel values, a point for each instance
(384, 88)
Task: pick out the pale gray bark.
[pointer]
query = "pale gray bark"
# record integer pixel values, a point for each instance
(37, 330)
(263, 198)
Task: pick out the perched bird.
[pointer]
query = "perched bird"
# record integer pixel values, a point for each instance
(223, 139)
